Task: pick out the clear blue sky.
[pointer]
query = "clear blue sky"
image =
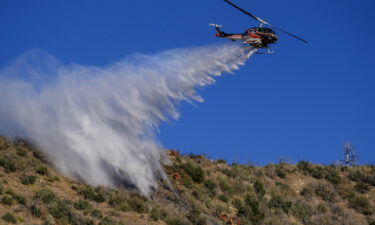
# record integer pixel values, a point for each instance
(300, 103)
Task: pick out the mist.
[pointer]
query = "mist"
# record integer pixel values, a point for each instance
(100, 124)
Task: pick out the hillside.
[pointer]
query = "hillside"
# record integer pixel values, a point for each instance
(203, 192)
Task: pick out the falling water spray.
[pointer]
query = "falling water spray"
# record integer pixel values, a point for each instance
(98, 124)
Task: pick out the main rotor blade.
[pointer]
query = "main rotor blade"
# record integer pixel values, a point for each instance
(292, 35)
(264, 22)
(247, 13)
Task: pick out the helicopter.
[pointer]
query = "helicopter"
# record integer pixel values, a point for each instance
(258, 37)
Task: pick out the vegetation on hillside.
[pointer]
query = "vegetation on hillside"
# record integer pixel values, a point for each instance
(202, 192)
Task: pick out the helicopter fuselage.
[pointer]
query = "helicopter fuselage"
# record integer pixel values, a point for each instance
(259, 37)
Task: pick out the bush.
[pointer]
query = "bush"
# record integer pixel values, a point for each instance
(108, 221)
(116, 199)
(35, 211)
(45, 195)
(362, 188)
(195, 217)
(249, 209)
(280, 173)
(221, 161)
(195, 172)
(8, 217)
(225, 186)
(259, 188)
(6, 200)
(304, 166)
(96, 213)
(60, 210)
(209, 184)
(137, 204)
(175, 220)
(360, 204)
(8, 164)
(316, 172)
(333, 176)
(158, 214)
(277, 202)
(97, 194)
(301, 211)
(20, 199)
(361, 176)
(224, 198)
(326, 192)
(27, 179)
(211, 187)
(82, 205)
(21, 152)
(42, 170)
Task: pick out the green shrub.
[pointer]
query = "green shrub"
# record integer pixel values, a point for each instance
(35, 210)
(42, 170)
(322, 208)
(8, 163)
(361, 176)
(97, 194)
(221, 161)
(280, 173)
(20, 199)
(195, 172)
(224, 198)
(82, 205)
(211, 187)
(60, 209)
(316, 172)
(186, 181)
(277, 202)
(116, 199)
(225, 186)
(326, 192)
(209, 184)
(307, 191)
(303, 166)
(108, 221)
(362, 187)
(27, 179)
(6, 200)
(137, 204)
(96, 213)
(175, 220)
(45, 195)
(21, 152)
(230, 172)
(8, 217)
(249, 209)
(333, 176)
(158, 214)
(259, 188)
(79, 220)
(361, 204)
(301, 211)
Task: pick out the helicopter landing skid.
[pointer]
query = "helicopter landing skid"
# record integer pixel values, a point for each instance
(268, 52)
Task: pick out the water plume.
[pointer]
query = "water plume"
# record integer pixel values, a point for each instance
(99, 124)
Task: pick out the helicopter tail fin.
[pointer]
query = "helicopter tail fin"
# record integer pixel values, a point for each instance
(219, 32)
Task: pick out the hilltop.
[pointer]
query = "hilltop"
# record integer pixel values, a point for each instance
(201, 191)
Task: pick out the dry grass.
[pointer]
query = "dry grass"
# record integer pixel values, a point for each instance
(204, 192)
